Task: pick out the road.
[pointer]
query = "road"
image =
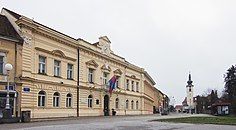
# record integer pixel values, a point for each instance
(116, 123)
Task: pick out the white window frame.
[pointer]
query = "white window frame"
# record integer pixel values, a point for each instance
(132, 85)
(137, 86)
(57, 68)
(4, 62)
(70, 71)
(105, 79)
(137, 105)
(90, 101)
(42, 64)
(117, 103)
(69, 100)
(56, 99)
(91, 75)
(40, 99)
(132, 104)
(127, 104)
(127, 84)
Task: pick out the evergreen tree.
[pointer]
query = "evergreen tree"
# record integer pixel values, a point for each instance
(230, 87)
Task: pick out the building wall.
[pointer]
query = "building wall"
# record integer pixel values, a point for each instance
(12, 52)
(42, 45)
(42, 41)
(98, 90)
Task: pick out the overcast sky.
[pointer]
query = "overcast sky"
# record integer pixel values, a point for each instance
(168, 38)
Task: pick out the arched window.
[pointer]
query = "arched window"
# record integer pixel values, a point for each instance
(117, 103)
(90, 101)
(132, 104)
(56, 99)
(68, 100)
(41, 98)
(137, 105)
(127, 104)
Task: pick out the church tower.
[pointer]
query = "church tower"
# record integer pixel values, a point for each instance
(189, 88)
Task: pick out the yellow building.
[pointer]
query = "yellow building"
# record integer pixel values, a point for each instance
(65, 77)
(10, 50)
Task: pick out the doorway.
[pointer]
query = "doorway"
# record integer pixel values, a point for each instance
(106, 105)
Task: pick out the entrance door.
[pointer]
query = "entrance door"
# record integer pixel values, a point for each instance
(106, 105)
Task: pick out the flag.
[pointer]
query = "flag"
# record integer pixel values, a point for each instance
(112, 84)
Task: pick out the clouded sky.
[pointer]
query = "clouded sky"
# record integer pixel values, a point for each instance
(168, 38)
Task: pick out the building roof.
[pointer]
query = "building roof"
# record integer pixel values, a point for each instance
(7, 30)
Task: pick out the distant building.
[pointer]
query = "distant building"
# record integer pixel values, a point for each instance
(179, 108)
(189, 104)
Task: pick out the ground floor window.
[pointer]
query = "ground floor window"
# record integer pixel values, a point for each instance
(68, 100)
(41, 98)
(56, 97)
(90, 101)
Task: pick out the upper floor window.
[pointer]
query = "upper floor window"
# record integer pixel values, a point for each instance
(127, 84)
(90, 101)
(69, 71)
(117, 81)
(56, 99)
(57, 67)
(90, 75)
(189, 89)
(105, 78)
(1, 64)
(42, 65)
(68, 100)
(41, 98)
(132, 85)
(137, 86)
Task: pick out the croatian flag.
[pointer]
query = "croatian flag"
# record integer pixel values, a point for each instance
(112, 84)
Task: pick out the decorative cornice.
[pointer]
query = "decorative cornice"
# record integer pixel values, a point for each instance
(58, 53)
(46, 82)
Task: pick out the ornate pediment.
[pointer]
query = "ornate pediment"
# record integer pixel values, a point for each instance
(106, 67)
(92, 63)
(133, 76)
(118, 72)
(58, 53)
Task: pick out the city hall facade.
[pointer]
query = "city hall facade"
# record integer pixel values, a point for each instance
(59, 76)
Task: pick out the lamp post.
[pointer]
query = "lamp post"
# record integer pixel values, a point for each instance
(8, 68)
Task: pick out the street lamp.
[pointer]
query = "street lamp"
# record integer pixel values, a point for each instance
(8, 68)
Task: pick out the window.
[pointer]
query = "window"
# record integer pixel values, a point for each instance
(57, 68)
(117, 81)
(69, 71)
(137, 86)
(137, 104)
(127, 104)
(97, 102)
(56, 97)
(90, 75)
(117, 103)
(1, 64)
(127, 84)
(132, 85)
(90, 101)
(132, 104)
(189, 89)
(42, 65)
(68, 100)
(41, 98)
(105, 78)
